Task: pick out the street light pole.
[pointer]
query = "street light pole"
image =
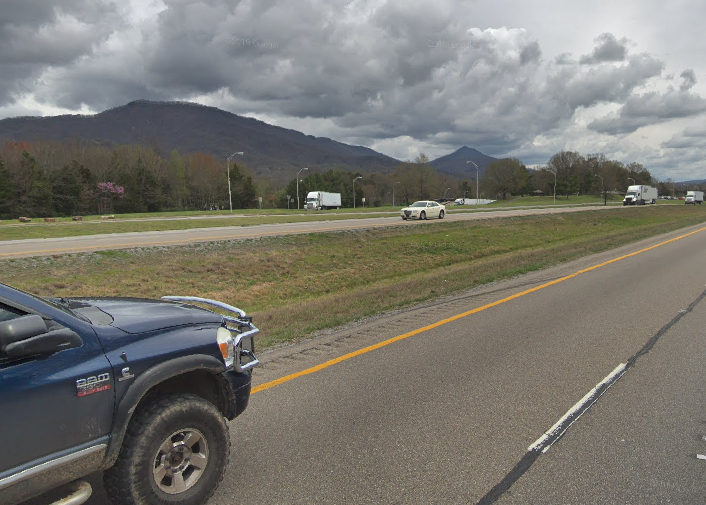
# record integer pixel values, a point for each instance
(605, 196)
(300, 171)
(230, 197)
(468, 163)
(446, 191)
(631, 179)
(393, 193)
(359, 177)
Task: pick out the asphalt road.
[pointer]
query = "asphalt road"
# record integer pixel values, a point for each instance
(53, 246)
(445, 405)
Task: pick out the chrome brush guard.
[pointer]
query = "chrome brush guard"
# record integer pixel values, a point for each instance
(239, 324)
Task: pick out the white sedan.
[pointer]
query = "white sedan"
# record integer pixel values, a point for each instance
(423, 209)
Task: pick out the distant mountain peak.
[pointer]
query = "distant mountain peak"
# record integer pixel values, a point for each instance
(454, 164)
(191, 127)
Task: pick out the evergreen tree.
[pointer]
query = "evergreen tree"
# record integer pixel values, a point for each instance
(8, 198)
(37, 197)
(67, 189)
(243, 191)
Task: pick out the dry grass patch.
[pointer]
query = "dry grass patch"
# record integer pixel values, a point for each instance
(296, 285)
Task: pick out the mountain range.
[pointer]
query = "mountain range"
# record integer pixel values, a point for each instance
(269, 151)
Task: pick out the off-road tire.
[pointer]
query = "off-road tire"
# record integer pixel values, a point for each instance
(131, 480)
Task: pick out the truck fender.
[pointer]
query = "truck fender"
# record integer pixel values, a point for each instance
(146, 381)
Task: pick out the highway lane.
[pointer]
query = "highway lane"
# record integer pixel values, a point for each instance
(445, 415)
(68, 245)
(446, 411)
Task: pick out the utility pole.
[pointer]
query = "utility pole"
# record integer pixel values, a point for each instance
(300, 171)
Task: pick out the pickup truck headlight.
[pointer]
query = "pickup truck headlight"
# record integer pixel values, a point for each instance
(225, 344)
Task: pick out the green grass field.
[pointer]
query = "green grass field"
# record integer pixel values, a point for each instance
(296, 285)
(163, 221)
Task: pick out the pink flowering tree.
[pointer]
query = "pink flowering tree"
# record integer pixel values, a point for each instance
(109, 192)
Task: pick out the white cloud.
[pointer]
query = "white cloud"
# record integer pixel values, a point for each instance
(506, 77)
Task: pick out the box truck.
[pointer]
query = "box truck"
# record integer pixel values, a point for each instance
(694, 197)
(640, 195)
(321, 200)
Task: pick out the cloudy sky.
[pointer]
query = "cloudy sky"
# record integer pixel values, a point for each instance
(524, 78)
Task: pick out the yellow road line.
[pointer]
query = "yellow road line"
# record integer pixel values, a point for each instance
(364, 350)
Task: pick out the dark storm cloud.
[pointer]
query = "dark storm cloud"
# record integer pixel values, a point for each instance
(36, 35)
(369, 70)
(564, 59)
(688, 139)
(588, 86)
(689, 79)
(530, 53)
(608, 49)
(650, 108)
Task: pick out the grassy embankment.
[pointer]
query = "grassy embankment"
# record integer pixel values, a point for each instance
(295, 285)
(163, 221)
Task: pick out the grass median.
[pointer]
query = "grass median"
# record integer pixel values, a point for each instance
(296, 285)
(164, 221)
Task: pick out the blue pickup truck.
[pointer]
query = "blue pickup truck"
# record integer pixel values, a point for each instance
(138, 389)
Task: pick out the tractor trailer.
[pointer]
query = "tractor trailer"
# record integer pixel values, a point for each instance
(694, 197)
(321, 200)
(640, 195)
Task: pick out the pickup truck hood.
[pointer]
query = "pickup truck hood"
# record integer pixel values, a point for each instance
(136, 315)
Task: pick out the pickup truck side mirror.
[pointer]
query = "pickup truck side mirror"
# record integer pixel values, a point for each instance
(28, 336)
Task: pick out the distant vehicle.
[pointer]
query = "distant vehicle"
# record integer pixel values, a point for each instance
(423, 209)
(444, 200)
(321, 200)
(640, 195)
(694, 197)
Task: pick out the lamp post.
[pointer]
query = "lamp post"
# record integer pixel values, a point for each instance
(230, 197)
(631, 179)
(468, 163)
(300, 171)
(393, 193)
(359, 177)
(446, 191)
(605, 196)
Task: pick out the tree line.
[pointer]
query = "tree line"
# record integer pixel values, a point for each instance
(48, 179)
(45, 179)
(567, 173)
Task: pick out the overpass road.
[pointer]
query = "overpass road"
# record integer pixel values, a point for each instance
(450, 402)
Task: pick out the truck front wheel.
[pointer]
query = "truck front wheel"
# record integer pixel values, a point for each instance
(175, 451)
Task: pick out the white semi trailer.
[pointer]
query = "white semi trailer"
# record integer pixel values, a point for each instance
(321, 200)
(640, 195)
(694, 197)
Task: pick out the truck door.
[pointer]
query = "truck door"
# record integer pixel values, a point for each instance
(53, 403)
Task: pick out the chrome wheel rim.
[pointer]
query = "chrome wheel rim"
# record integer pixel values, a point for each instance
(180, 461)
